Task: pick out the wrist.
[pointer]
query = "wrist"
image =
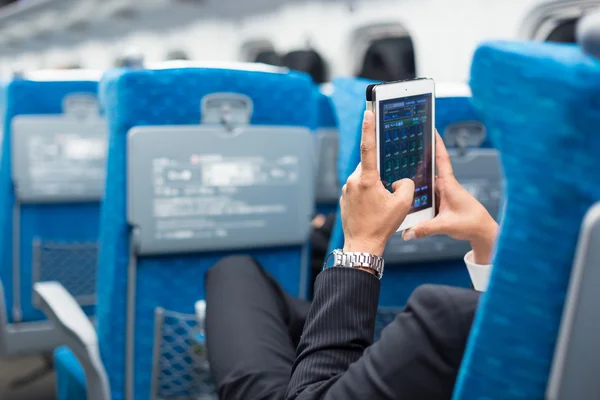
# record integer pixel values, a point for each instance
(364, 246)
(483, 243)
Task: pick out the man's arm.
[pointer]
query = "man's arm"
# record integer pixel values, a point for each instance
(417, 357)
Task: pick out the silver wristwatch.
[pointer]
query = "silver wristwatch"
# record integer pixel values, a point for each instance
(356, 260)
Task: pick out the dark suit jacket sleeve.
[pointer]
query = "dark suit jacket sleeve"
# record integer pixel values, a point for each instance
(416, 358)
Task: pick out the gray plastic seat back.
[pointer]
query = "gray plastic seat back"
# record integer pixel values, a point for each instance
(588, 34)
(328, 187)
(205, 188)
(478, 171)
(577, 357)
(60, 158)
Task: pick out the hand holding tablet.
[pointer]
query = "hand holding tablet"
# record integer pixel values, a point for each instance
(370, 212)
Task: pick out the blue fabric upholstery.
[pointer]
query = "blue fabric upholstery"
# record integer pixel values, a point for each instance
(70, 378)
(400, 280)
(326, 114)
(449, 110)
(540, 104)
(172, 97)
(51, 222)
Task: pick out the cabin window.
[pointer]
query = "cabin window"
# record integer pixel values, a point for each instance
(260, 51)
(177, 55)
(556, 21)
(383, 52)
(389, 59)
(269, 57)
(564, 32)
(309, 61)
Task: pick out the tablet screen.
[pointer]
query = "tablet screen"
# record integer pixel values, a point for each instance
(406, 143)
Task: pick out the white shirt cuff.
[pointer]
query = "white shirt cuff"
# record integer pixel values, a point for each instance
(480, 274)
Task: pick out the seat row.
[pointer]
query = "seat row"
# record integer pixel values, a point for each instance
(127, 197)
(208, 161)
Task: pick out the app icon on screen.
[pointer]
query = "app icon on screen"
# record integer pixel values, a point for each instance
(396, 164)
(396, 148)
(424, 200)
(420, 144)
(404, 162)
(413, 146)
(404, 133)
(388, 166)
(388, 150)
(413, 160)
(388, 136)
(396, 135)
(420, 130)
(417, 202)
(413, 131)
(404, 147)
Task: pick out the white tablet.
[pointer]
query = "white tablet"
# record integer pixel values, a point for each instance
(405, 116)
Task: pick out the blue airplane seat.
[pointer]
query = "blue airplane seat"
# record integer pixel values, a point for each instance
(539, 102)
(434, 260)
(328, 186)
(52, 178)
(148, 283)
(455, 110)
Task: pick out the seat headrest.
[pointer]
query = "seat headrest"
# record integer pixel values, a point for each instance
(61, 75)
(588, 34)
(452, 89)
(241, 66)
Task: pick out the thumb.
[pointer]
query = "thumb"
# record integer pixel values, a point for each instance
(404, 191)
(424, 229)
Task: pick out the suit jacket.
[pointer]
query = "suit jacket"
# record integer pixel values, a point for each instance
(417, 357)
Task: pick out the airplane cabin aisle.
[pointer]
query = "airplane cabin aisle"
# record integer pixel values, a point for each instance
(13, 370)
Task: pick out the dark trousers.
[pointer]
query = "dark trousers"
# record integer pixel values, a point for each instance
(252, 330)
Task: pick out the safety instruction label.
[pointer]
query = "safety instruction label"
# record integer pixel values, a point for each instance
(208, 196)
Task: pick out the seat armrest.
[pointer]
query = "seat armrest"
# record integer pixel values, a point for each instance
(77, 332)
(201, 310)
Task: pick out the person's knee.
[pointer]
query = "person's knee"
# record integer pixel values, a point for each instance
(446, 299)
(446, 313)
(232, 267)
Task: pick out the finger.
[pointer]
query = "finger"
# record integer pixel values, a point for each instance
(424, 229)
(404, 191)
(318, 221)
(368, 144)
(442, 158)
